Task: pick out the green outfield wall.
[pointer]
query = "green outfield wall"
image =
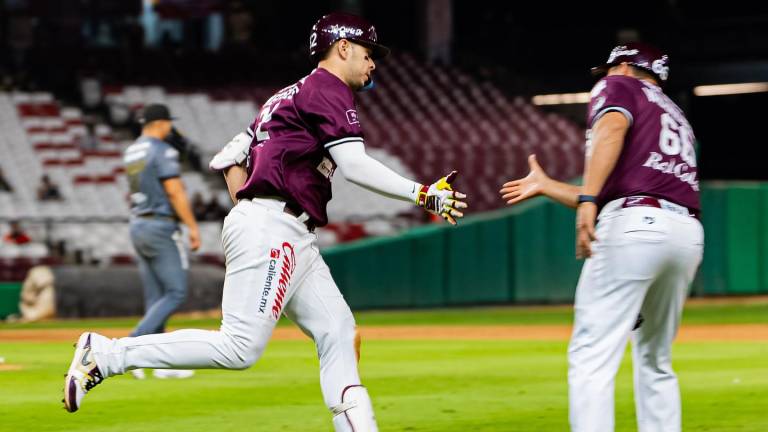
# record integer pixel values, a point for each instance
(9, 298)
(525, 254)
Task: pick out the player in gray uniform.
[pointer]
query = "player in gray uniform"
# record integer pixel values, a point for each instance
(158, 203)
(291, 151)
(641, 184)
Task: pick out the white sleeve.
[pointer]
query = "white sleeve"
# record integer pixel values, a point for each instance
(367, 172)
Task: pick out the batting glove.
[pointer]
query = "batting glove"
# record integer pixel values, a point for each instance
(234, 153)
(440, 199)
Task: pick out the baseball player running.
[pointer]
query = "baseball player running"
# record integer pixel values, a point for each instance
(158, 203)
(300, 136)
(640, 183)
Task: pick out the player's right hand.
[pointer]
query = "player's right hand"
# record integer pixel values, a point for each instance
(586, 215)
(194, 238)
(532, 185)
(439, 198)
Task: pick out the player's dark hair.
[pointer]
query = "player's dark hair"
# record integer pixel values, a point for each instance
(325, 54)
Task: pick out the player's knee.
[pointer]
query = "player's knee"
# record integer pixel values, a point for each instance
(244, 361)
(243, 341)
(177, 295)
(179, 292)
(244, 353)
(247, 356)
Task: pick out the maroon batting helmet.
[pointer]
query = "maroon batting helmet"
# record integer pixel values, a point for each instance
(338, 25)
(640, 55)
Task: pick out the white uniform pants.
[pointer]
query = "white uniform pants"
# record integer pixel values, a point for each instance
(273, 266)
(643, 261)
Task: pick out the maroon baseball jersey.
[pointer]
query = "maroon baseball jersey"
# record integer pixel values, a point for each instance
(658, 158)
(292, 134)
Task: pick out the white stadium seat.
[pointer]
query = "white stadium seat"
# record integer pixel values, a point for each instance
(416, 112)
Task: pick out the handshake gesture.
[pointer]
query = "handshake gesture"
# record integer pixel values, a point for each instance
(536, 183)
(532, 185)
(439, 198)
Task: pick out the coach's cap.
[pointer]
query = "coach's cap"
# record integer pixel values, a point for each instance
(640, 55)
(155, 112)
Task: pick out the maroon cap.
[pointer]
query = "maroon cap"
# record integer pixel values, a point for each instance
(339, 25)
(640, 55)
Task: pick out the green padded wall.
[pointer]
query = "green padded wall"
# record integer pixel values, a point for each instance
(525, 254)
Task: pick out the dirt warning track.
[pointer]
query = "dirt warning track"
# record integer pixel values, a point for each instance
(688, 333)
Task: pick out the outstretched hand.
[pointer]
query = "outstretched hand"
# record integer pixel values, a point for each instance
(439, 198)
(527, 187)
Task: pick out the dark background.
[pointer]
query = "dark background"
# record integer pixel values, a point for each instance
(526, 48)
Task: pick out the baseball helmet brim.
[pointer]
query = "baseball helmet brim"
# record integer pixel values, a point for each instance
(601, 70)
(378, 51)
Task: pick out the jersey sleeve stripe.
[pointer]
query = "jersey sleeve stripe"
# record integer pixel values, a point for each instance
(342, 141)
(608, 109)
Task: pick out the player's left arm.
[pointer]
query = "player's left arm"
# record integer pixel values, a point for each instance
(230, 161)
(359, 168)
(235, 176)
(607, 142)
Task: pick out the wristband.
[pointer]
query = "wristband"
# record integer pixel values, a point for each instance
(587, 198)
(421, 196)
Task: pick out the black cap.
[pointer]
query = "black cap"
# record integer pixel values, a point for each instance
(155, 112)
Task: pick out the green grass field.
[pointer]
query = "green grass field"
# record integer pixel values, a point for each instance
(417, 385)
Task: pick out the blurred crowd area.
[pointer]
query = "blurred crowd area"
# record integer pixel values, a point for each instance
(79, 72)
(75, 73)
(52, 43)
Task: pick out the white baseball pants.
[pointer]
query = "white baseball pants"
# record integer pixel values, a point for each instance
(643, 261)
(273, 267)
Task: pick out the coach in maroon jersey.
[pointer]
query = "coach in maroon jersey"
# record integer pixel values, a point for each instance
(641, 184)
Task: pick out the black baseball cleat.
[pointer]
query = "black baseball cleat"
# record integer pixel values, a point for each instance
(83, 374)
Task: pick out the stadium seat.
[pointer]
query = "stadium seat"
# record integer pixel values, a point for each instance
(422, 121)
